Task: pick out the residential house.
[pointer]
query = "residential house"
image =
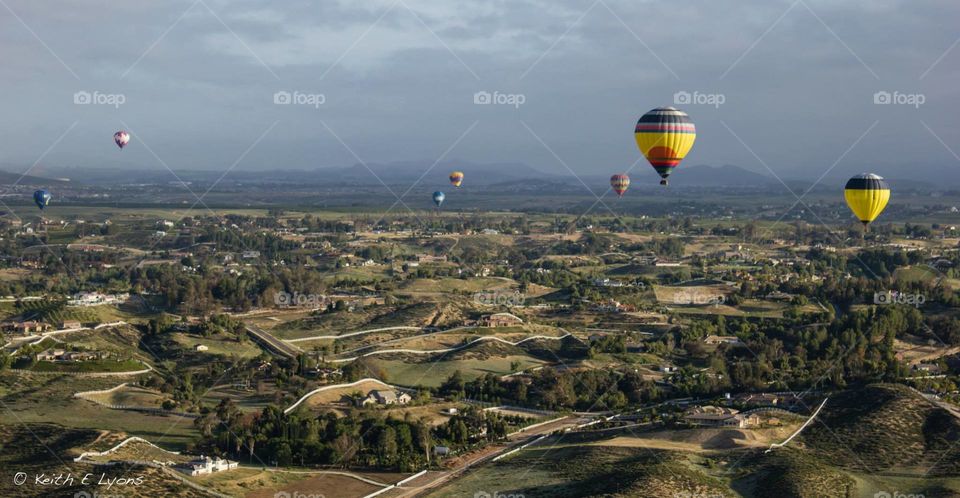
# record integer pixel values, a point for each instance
(927, 368)
(50, 355)
(206, 465)
(384, 397)
(25, 327)
(717, 416)
(722, 339)
(759, 399)
(500, 320)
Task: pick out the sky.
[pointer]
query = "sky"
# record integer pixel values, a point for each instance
(787, 88)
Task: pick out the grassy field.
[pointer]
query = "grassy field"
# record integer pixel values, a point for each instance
(433, 373)
(218, 345)
(37, 449)
(341, 322)
(336, 395)
(133, 396)
(544, 471)
(433, 413)
(260, 483)
(90, 366)
(49, 399)
(452, 285)
(868, 485)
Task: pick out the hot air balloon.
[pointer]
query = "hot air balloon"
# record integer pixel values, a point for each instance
(42, 198)
(121, 138)
(456, 178)
(620, 182)
(867, 194)
(438, 198)
(665, 136)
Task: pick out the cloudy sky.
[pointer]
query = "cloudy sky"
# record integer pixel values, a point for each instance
(782, 84)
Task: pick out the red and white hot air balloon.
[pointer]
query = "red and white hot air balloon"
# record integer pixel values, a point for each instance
(619, 183)
(121, 138)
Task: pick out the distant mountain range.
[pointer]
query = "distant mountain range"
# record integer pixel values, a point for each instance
(431, 175)
(8, 178)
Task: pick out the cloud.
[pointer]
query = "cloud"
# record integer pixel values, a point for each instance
(399, 77)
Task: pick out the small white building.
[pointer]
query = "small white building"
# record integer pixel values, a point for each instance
(201, 347)
(206, 465)
(383, 397)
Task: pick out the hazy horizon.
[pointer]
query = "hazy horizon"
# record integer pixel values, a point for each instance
(779, 88)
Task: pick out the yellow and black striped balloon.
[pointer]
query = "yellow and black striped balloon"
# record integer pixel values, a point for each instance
(867, 194)
(665, 135)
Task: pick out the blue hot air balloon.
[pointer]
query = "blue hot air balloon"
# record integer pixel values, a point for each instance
(42, 198)
(438, 198)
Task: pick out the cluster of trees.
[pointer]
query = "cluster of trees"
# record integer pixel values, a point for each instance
(301, 438)
(362, 439)
(553, 389)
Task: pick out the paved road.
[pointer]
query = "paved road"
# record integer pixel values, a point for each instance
(513, 442)
(272, 343)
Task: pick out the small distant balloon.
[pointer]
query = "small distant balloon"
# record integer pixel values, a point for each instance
(42, 198)
(619, 182)
(456, 178)
(121, 138)
(438, 198)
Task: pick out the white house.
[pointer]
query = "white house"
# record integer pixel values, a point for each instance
(382, 397)
(206, 465)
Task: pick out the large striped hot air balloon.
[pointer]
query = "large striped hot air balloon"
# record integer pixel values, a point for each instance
(665, 136)
(619, 182)
(867, 194)
(456, 178)
(121, 138)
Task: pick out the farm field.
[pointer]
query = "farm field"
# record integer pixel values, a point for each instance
(132, 396)
(260, 483)
(431, 373)
(49, 399)
(219, 345)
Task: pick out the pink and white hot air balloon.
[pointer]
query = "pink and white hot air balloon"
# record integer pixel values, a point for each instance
(121, 138)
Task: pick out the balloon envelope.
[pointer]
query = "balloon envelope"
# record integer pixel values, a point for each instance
(867, 195)
(438, 198)
(665, 135)
(121, 138)
(42, 198)
(456, 178)
(619, 182)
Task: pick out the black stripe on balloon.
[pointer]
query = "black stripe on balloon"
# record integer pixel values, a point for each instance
(867, 184)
